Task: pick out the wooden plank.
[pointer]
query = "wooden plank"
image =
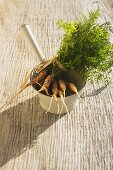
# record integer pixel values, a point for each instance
(29, 138)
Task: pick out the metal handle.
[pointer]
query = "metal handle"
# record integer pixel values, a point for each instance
(32, 41)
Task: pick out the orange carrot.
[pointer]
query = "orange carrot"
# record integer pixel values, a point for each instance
(62, 86)
(46, 84)
(55, 87)
(73, 88)
(40, 76)
(55, 93)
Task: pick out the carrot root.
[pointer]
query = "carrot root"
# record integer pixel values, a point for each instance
(55, 97)
(78, 94)
(39, 84)
(49, 105)
(62, 99)
(43, 89)
(62, 105)
(74, 89)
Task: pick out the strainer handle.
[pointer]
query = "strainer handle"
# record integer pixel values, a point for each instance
(32, 41)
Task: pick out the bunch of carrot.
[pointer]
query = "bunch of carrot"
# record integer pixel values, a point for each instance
(50, 85)
(53, 87)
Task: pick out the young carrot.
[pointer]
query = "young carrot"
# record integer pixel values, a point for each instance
(73, 88)
(46, 84)
(54, 88)
(55, 92)
(41, 76)
(61, 96)
(62, 86)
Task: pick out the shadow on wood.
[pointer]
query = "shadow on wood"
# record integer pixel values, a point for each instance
(95, 92)
(21, 125)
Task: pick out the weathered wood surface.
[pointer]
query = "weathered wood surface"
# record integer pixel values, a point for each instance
(29, 138)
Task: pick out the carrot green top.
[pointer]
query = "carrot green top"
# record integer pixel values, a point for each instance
(86, 47)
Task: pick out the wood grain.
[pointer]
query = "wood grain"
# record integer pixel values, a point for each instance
(29, 138)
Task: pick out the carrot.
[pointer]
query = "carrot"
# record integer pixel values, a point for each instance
(40, 76)
(61, 96)
(73, 88)
(55, 93)
(54, 89)
(46, 84)
(62, 86)
(41, 82)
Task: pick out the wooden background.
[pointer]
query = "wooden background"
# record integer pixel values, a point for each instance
(29, 138)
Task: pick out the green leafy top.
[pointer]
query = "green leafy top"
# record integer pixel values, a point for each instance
(86, 47)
